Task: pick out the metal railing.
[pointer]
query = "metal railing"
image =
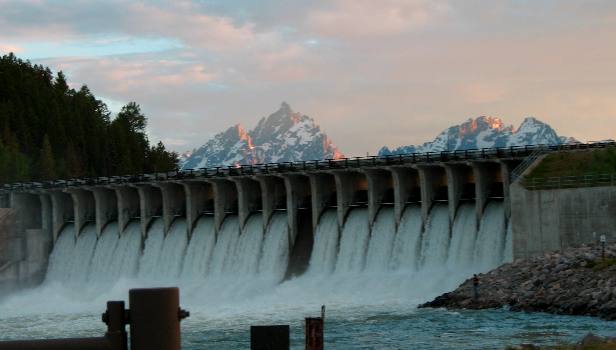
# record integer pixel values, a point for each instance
(590, 180)
(521, 168)
(513, 152)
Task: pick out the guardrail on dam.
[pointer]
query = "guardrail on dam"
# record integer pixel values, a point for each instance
(302, 189)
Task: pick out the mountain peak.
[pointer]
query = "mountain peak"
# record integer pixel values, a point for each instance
(280, 137)
(285, 107)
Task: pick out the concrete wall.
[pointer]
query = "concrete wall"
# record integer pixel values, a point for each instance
(323, 194)
(548, 220)
(11, 250)
(199, 199)
(407, 189)
(129, 205)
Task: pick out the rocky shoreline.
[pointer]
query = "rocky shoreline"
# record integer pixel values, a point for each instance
(576, 281)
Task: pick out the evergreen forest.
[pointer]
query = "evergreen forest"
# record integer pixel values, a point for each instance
(50, 131)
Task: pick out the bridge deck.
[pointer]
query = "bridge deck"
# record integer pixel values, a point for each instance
(486, 154)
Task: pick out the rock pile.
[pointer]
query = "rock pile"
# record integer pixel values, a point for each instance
(576, 281)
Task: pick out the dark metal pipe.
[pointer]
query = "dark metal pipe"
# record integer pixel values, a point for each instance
(155, 318)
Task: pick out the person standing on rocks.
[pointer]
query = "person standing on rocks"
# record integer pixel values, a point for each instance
(475, 287)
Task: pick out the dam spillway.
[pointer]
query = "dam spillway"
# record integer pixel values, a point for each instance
(256, 258)
(272, 217)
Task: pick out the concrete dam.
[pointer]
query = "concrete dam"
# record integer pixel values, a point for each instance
(427, 214)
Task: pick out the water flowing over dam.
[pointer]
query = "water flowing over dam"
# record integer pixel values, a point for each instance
(255, 259)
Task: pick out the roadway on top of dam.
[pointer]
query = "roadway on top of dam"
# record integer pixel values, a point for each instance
(485, 154)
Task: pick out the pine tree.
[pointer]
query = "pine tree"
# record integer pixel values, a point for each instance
(47, 167)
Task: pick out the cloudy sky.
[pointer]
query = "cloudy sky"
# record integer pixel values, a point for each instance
(372, 73)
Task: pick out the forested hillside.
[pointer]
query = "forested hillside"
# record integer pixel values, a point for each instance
(50, 131)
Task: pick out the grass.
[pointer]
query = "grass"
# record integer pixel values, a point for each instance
(598, 161)
(603, 264)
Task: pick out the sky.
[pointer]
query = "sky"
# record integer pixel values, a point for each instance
(371, 73)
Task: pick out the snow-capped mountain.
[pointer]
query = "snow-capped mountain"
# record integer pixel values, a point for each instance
(284, 136)
(486, 132)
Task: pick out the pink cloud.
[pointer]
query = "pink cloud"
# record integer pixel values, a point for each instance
(195, 29)
(360, 19)
(10, 48)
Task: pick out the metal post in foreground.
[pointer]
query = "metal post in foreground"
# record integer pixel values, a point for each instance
(314, 331)
(269, 337)
(602, 239)
(155, 316)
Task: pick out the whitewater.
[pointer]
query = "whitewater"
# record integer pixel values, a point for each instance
(371, 277)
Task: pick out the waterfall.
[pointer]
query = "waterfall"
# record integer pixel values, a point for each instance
(225, 246)
(325, 249)
(102, 263)
(82, 255)
(435, 243)
(381, 241)
(408, 240)
(248, 251)
(508, 254)
(463, 237)
(275, 251)
(169, 264)
(200, 248)
(152, 250)
(238, 267)
(62, 255)
(128, 251)
(491, 237)
(354, 242)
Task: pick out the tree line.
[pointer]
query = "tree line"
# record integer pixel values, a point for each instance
(50, 131)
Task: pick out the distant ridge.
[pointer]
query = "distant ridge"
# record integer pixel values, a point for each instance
(486, 132)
